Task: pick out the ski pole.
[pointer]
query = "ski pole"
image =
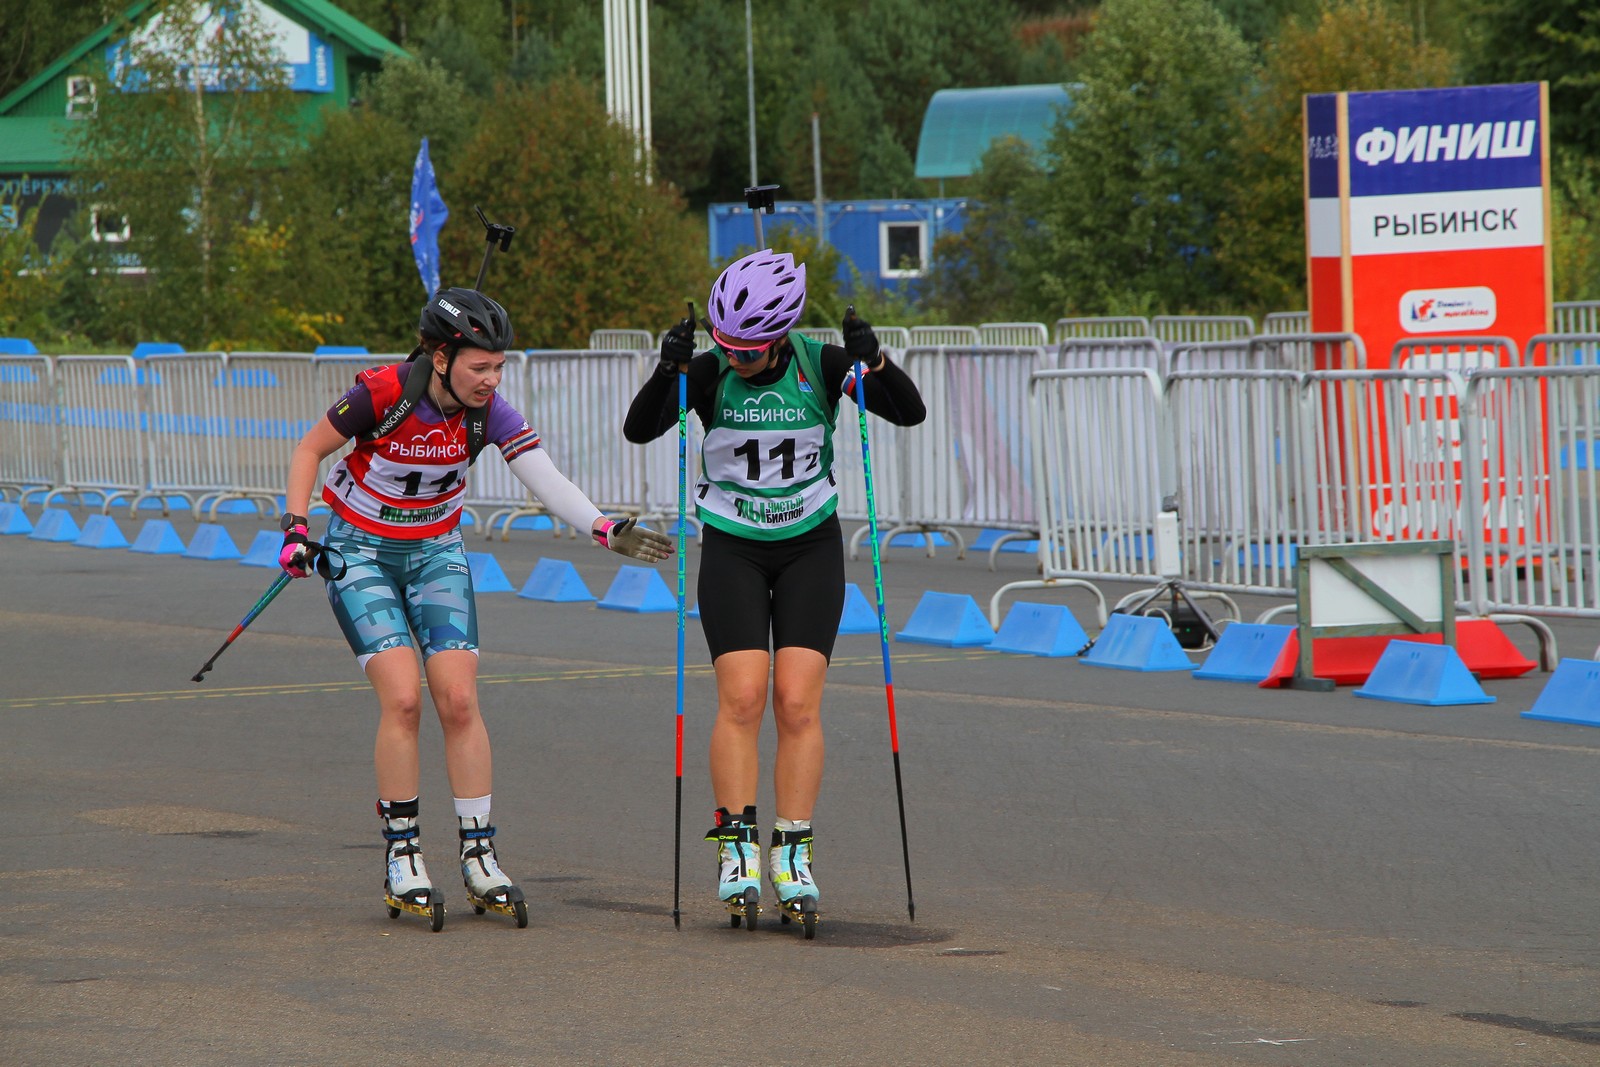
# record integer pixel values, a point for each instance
(324, 566)
(883, 626)
(273, 590)
(683, 528)
(496, 233)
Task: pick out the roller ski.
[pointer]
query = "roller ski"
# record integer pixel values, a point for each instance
(406, 886)
(739, 862)
(789, 868)
(488, 888)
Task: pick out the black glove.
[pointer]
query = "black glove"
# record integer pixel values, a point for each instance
(860, 343)
(677, 346)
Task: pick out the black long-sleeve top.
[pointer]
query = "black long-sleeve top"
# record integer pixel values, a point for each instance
(891, 394)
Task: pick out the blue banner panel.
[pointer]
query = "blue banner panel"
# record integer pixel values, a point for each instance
(1445, 140)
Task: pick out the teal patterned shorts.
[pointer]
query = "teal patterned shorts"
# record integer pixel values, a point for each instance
(393, 589)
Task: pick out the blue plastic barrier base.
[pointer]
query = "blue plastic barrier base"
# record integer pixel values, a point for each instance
(987, 538)
(916, 540)
(158, 538)
(55, 524)
(858, 616)
(1432, 675)
(1040, 630)
(13, 520)
(952, 620)
(639, 589)
(263, 551)
(1137, 643)
(487, 577)
(211, 541)
(101, 531)
(1246, 652)
(1572, 695)
(556, 581)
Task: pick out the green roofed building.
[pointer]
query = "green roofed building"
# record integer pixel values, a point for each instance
(961, 124)
(326, 53)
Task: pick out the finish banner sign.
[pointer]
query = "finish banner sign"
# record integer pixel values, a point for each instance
(1427, 213)
(1428, 235)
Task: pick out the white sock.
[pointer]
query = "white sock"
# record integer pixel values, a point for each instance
(473, 807)
(793, 824)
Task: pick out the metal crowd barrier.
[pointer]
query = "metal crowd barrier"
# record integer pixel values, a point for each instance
(1237, 458)
(1097, 486)
(622, 340)
(29, 448)
(104, 438)
(1113, 326)
(1013, 334)
(1504, 460)
(1577, 316)
(1286, 322)
(1087, 353)
(1311, 351)
(1539, 515)
(934, 336)
(576, 400)
(969, 462)
(1191, 329)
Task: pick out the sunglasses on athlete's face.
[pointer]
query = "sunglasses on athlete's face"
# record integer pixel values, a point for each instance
(743, 351)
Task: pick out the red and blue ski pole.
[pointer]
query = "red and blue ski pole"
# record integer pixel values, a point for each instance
(324, 567)
(883, 621)
(683, 533)
(266, 598)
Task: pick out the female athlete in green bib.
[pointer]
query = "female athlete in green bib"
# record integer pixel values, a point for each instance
(771, 585)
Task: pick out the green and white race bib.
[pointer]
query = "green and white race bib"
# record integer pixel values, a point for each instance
(767, 461)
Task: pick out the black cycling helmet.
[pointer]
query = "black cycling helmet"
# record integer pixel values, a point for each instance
(466, 317)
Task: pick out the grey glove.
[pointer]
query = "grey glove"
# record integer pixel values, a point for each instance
(628, 538)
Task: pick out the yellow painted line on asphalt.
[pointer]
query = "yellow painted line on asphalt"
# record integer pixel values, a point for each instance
(571, 674)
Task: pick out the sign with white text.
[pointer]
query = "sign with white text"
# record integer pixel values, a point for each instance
(1427, 212)
(1428, 234)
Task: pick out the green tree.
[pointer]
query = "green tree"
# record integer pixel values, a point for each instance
(909, 49)
(358, 282)
(1140, 162)
(1557, 41)
(29, 293)
(986, 272)
(597, 245)
(185, 131)
(33, 33)
(1353, 45)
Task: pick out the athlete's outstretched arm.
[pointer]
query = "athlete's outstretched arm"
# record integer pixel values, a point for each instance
(535, 469)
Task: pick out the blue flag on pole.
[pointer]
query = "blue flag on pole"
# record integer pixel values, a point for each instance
(428, 215)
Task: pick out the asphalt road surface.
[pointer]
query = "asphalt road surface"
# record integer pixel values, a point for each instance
(1110, 868)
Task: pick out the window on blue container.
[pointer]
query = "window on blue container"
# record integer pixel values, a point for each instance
(902, 249)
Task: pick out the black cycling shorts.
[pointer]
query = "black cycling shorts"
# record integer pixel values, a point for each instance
(772, 594)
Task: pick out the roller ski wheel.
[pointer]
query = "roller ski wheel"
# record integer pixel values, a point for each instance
(432, 910)
(509, 901)
(802, 910)
(746, 906)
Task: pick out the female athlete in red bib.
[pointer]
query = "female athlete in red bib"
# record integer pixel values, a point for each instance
(396, 501)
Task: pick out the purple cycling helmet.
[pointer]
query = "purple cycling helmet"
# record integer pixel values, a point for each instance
(757, 299)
